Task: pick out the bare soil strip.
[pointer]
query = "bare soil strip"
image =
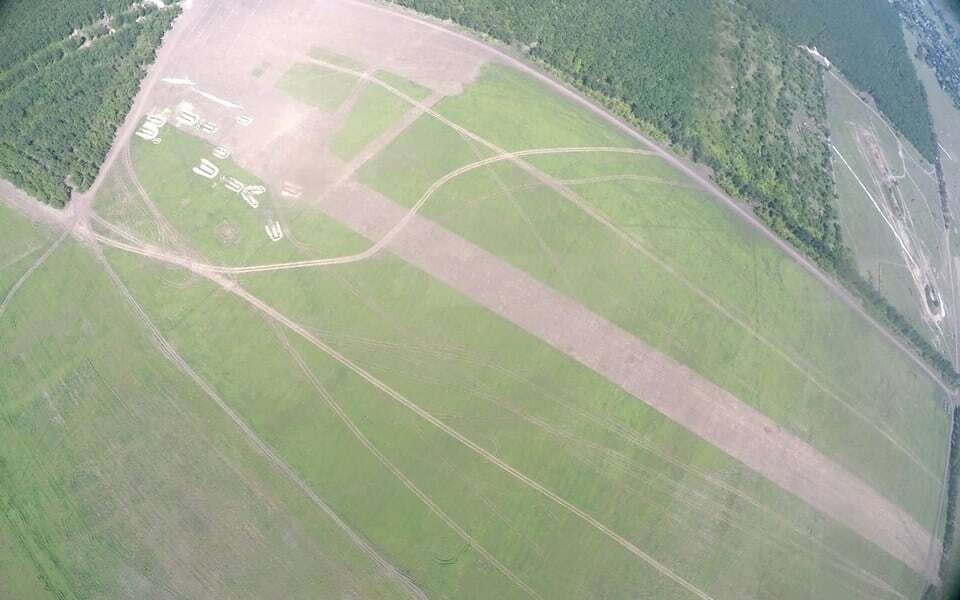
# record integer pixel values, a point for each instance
(683, 396)
(740, 209)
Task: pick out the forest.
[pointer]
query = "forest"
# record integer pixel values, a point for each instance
(68, 74)
(864, 39)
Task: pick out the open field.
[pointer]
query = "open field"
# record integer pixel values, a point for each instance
(376, 110)
(541, 412)
(317, 86)
(121, 479)
(352, 328)
(890, 213)
(685, 283)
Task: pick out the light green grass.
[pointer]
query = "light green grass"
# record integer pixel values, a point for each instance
(120, 478)
(218, 223)
(598, 164)
(118, 201)
(21, 243)
(544, 414)
(502, 209)
(422, 154)
(318, 86)
(376, 110)
(516, 112)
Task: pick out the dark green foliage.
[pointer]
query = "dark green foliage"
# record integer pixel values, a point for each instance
(67, 79)
(716, 82)
(951, 516)
(864, 39)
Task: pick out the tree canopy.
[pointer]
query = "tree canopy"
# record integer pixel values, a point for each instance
(68, 74)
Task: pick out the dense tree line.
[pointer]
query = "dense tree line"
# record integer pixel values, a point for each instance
(730, 87)
(865, 40)
(953, 466)
(705, 75)
(67, 84)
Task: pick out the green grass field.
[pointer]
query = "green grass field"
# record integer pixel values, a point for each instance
(122, 475)
(120, 478)
(694, 509)
(216, 222)
(817, 375)
(375, 111)
(21, 243)
(318, 86)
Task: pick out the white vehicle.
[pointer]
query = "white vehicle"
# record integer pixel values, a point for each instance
(233, 184)
(291, 190)
(250, 193)
(185, 117)
(207, 169)
(274, 231)
(157, 120)
(221, 153)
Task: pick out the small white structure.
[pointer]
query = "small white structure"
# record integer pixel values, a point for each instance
(221, 153)
(250, 193)
(147, 132)
(207, 169)
(274, 231)
(155, 141)
(209, 127)
(291, 190)
(157, 120)
(233, 184)
(150, 129)
(244, 120)
(186, 117)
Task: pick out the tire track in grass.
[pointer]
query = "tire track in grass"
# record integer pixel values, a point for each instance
(834, 559)
(598, 216)
(407, 482)
(8, 297)
(486, 455)
(886, 525)
(169, 352)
